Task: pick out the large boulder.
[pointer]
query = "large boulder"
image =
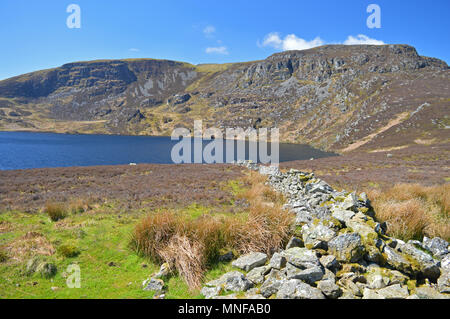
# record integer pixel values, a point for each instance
(249, 261)
(347, 247)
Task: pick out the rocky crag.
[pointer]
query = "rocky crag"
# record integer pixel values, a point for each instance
(331, 97)
(340, 251)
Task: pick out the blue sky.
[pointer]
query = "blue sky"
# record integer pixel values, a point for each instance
(34, 34)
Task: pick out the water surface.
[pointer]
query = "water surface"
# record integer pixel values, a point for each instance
(24, 150)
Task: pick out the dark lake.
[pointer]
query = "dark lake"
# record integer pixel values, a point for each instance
(23, 150)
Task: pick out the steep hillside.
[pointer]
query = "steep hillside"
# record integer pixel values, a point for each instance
(336, 97)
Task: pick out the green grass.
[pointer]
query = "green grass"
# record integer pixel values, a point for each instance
(99, 239)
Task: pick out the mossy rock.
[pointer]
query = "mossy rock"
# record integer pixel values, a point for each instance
(47, 270)
(32, 265)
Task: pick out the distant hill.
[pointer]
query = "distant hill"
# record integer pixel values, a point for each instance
(335, 97)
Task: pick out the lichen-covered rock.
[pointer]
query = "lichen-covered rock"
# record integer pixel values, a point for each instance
(342, 215)
(329, 289)
(249, 261)
(445, 262)
(350, 202)
(210, 292)
(256, 275)
(394, 292)
(232, 281)
(272, 283)
(317, 236)
(329, 262)
(371, 294)
(425, 263)
(349, 286)
(301, 257)
(377, 281)
(374, 255)
(438, 246)
(277, 261)
(397, 261)
(382, 277)
(443, 282)
(297, 289)
(347, 247)
(309, 275)
(362, 228)
(154, 284)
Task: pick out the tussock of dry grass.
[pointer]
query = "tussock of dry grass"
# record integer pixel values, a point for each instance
(413, 211)
(190, 245)
(30, 244)
(56, 211)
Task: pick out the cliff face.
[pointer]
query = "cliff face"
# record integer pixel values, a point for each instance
(332, 96)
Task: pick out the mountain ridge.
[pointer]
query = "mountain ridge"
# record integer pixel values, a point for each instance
(330, 96)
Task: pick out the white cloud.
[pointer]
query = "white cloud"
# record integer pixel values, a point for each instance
(273, 39)
(209, 30)
(362, 39)
(290, 42)
(217, 50)
(134, 50)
